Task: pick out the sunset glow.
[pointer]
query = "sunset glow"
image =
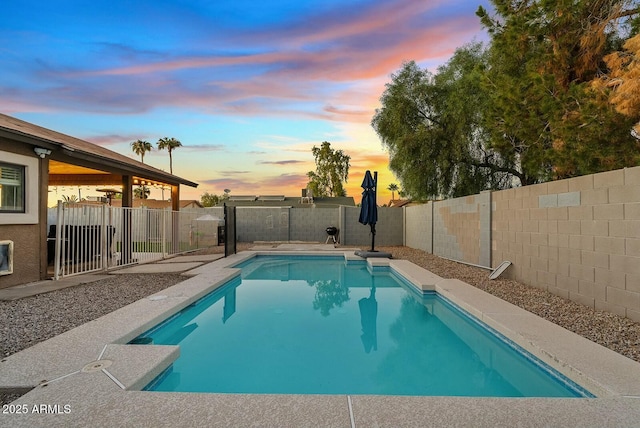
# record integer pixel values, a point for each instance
(247, 87)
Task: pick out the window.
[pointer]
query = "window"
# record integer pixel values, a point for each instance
(19, 191)
(12, 185)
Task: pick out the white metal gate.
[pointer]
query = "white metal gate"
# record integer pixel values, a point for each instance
(90, 238)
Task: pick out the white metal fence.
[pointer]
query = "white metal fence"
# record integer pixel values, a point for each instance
(89, 238)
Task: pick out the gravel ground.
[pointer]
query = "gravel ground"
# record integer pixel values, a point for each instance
(28, 321)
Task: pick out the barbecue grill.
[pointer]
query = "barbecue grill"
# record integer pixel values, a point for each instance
(333, 234)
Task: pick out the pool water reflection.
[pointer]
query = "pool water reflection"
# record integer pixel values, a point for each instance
(300, 325)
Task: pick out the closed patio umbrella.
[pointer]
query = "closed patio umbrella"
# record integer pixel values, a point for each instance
(368, 206)
(368, 320)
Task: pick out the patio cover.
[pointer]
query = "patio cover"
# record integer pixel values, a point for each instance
(77, 162)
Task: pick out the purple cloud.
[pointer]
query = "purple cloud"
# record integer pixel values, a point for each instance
(282, 162)
(292, 63)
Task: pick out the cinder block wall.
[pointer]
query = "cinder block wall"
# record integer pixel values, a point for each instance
(578, 238)
(311, 224)
(419, 227)
(461, 229)
(389, 228)
(262, 224)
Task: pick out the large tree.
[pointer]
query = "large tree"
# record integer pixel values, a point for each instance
(140, 147)
(523, 108)
(169, 144)
(541, 112)
(332, 170)
(621, 85)
(431, 125)
(209, 199)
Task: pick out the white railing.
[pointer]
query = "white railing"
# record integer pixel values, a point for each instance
(90, 238)
(80, 239)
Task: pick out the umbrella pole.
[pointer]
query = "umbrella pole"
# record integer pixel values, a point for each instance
(375, 202)
(373, 236)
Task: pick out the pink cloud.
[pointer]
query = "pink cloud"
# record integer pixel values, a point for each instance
(13, 103)
(345, 47)
(301, 71)
(269, 184)
(113, 139)
(203, 147)
(237, 186)
(284, 181)
(232, 172)
(282, 162)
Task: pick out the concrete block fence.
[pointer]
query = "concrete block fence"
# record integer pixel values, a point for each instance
(389, 228)
(309, 225)
(578, 238)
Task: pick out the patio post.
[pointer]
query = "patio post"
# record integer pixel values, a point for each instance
(127, 203)
(175, 224)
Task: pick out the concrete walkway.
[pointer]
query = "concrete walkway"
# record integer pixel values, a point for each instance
(176, 264)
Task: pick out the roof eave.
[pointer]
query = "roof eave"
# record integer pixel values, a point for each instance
(150, 172)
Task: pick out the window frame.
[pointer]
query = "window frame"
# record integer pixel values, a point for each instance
(23, 188)
(31, 189)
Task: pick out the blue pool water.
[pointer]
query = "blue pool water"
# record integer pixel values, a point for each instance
(300, 325)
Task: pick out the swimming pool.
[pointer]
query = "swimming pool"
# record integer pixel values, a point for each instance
(321, 325)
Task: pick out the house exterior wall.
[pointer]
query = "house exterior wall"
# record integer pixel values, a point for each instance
(26, 254)
(29, 240)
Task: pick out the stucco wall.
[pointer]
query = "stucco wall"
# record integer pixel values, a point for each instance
(29, 240)
(26, 254)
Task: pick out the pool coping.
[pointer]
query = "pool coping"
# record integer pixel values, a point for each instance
(92, 371)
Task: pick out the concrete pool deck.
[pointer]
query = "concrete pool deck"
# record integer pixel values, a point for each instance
(89, 377)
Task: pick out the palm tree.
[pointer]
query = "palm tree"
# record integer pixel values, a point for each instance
(70, 198)
(142, 192)
(170, 144)
(140, 147)
(394, 188)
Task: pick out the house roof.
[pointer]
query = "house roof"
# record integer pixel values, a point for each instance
(286, 201)
(398, 203)
(155, 203)
(75, 151)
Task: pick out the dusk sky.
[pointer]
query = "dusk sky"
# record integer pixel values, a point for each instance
(247, 87)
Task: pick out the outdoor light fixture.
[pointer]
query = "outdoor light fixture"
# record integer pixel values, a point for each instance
(42, 152)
